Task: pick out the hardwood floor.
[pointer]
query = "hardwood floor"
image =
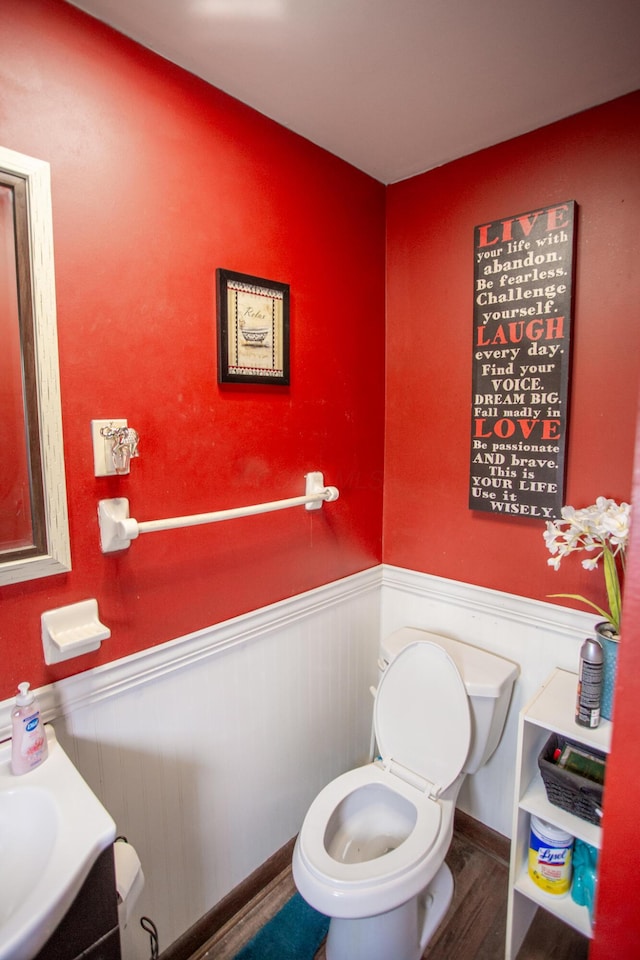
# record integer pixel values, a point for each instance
(474, 928)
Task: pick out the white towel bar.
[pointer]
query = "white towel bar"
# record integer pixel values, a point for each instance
(118, 529)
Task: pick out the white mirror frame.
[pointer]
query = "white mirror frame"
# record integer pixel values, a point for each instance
(57, 559)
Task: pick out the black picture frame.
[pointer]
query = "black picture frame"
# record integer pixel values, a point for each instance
(253, 329)
(521, 361)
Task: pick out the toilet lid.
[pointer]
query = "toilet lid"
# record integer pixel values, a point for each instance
(421, 714)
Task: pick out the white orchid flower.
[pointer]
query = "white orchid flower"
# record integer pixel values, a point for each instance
(601, 529)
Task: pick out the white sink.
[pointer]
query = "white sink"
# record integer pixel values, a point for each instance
(52, 829)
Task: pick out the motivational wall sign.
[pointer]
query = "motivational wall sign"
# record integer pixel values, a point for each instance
(523, 292)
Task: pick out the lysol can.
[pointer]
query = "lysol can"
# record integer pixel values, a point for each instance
(550, 854)
(589, 683)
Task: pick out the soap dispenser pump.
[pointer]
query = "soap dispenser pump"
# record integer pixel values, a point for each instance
(28, 737)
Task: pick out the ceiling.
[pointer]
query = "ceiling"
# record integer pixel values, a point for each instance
(397, 87)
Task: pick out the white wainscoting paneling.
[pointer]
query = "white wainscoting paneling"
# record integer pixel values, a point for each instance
(208, 750)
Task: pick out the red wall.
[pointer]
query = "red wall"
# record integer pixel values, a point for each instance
(617, 933)
(158, 179)
(591, 158)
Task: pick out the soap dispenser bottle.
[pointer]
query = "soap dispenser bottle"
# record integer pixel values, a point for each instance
(28, 737)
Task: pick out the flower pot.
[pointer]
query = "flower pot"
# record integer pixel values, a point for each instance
(610, 641)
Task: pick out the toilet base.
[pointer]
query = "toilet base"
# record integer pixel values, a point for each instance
(399, 934)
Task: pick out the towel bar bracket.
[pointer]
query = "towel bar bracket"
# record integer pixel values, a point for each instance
(315, 488)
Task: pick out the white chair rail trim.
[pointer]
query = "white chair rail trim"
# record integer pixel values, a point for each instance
(61, 698)
(502, 606)
(108, 680)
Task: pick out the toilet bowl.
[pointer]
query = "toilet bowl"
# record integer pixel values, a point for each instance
(370, 853)
(367, 842)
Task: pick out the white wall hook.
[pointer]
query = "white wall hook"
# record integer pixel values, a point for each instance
(71, 631)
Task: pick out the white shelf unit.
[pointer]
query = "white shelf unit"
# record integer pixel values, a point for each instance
(552, 710)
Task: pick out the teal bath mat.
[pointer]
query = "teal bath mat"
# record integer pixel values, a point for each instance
(295, 933)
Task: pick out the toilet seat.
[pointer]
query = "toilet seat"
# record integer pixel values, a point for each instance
(420, 686)
(417, 686)
(351, 890)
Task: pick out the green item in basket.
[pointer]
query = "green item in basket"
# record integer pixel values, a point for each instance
(583, 763)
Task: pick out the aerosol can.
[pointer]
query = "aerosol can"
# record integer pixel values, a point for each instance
(589, 683)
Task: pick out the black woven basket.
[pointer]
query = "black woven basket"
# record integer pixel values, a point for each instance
(569, 790)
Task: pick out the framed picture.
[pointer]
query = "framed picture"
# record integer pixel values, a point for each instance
(253, 329)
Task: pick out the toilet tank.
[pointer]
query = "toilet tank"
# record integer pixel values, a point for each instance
(487, 677)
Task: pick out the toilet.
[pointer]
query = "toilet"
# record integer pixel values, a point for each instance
(370, 853)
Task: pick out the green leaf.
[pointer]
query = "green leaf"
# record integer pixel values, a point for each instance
(594, 606)
(612, 584)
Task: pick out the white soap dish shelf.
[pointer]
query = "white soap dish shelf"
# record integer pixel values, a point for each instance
(72, 631)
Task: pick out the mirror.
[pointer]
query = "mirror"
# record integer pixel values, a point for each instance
(34, 529)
